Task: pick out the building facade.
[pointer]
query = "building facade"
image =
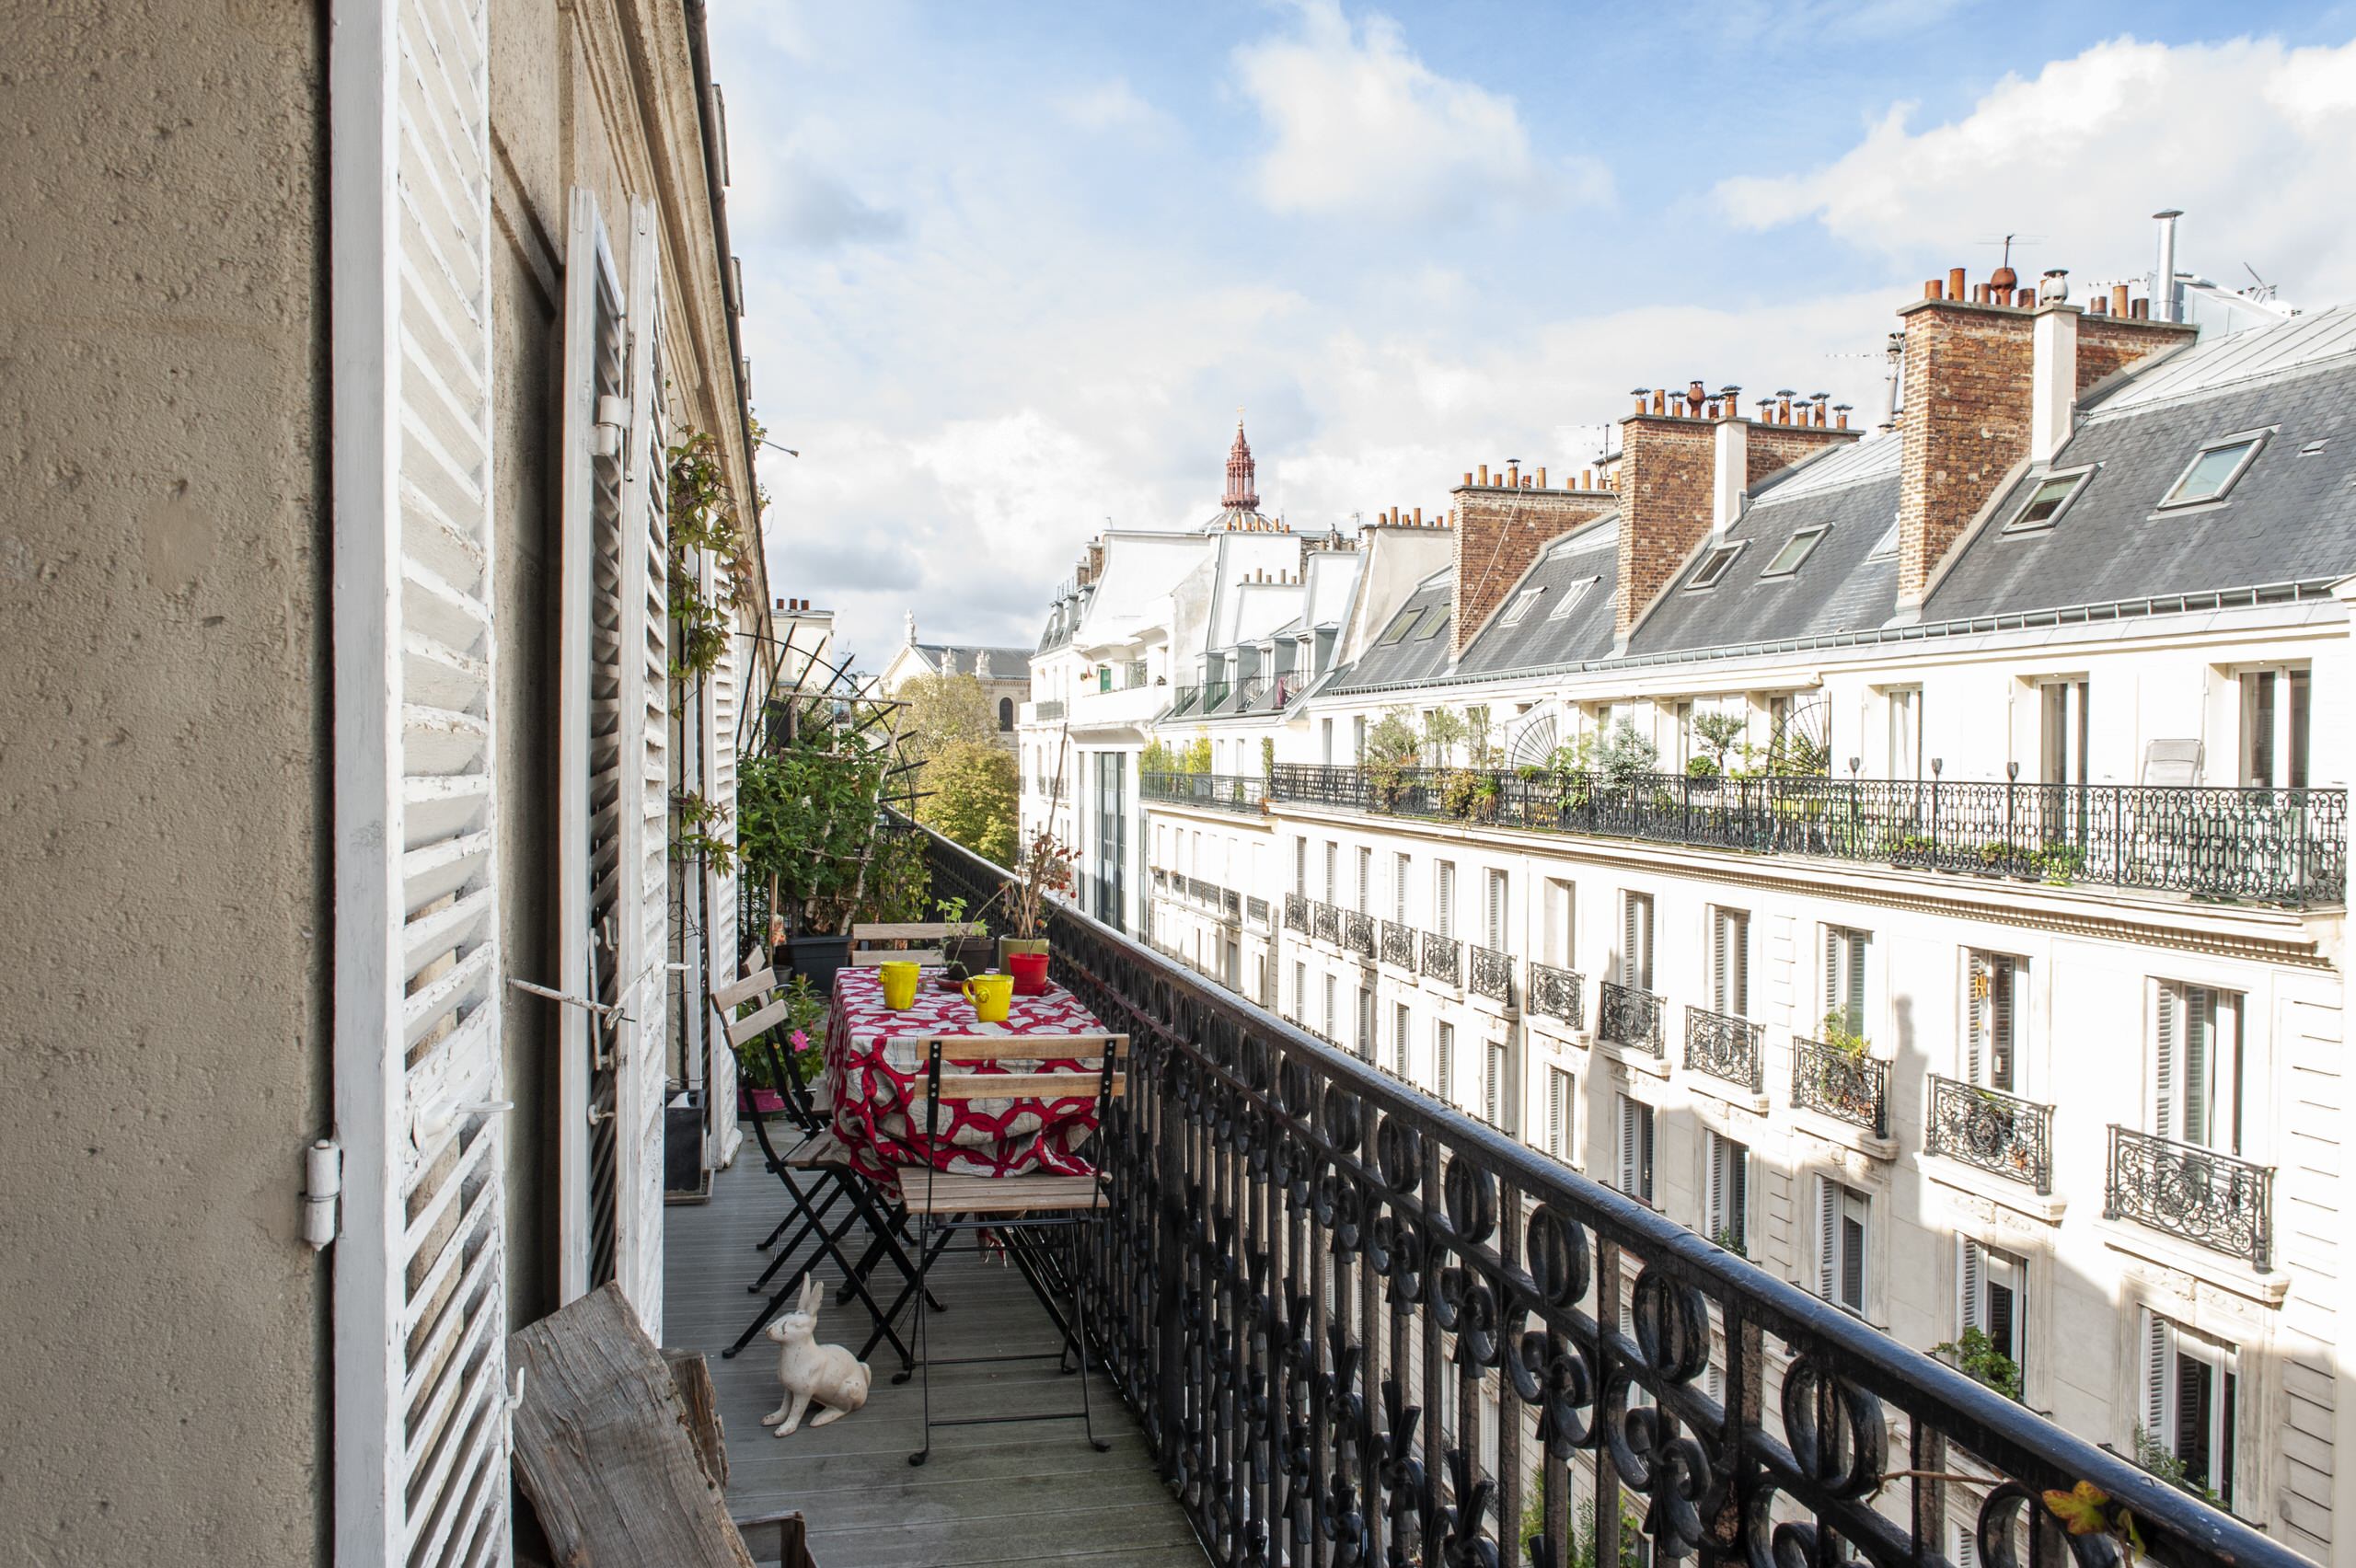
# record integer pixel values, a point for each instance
(1917, 862)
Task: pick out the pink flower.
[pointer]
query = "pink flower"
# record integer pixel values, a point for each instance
(800, 1041)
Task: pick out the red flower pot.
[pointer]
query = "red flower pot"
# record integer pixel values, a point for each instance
(1029, 972)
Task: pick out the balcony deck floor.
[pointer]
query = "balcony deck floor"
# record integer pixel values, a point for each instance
(1026, 1493)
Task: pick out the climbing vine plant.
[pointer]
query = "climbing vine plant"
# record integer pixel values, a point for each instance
(703, 517)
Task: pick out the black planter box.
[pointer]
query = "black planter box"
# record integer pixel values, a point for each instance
(819, 958)
(683, 1173)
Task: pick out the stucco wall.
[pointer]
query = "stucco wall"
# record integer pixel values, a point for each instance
(163, 751)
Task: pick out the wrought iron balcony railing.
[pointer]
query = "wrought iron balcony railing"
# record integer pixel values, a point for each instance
(1047, 712)
(1726, 1048)
(1399, 944)
(2210, 1199)
(1358, 933)
(1215, 791)
(1296, 913)
(1256, 910)
(1325, 922)
(1443, 959)
(1630, 1018)
(1360, 1327)
(2285, 846)
(1184, 700)
(1995, 1131)
(1855, 1088)
(1250, 692)
(1492, 975)
(1558, 994)
(1214, 696)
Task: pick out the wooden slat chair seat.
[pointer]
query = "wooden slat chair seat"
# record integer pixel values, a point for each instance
(1013, 1208)
(907, 941)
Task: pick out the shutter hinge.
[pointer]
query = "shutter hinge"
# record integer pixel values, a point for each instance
(613, 423)
(322, 1185)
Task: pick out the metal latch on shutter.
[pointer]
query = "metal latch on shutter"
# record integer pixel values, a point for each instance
(322, 1185)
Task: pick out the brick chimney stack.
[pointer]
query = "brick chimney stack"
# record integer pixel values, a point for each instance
(1973, 401)
(1502, 521)
(1671, 490)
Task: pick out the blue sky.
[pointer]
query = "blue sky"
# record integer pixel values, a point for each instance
(1012, 269)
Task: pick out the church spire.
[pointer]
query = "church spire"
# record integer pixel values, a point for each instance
(1242, 492)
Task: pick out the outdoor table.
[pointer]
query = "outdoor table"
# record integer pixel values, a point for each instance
(875, 1068)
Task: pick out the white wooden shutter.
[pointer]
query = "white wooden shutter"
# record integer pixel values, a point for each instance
(1854, 942)
(590, 772)
(1833, 978)
(2164, 1062)
(1715, 1203)
(1494, 1091)
(1558, 1083)
(1366, 879)
(1399, 889)
(1632, 963)
(2003, 1035)
(1828, 1209)
(1854, 1216)
(2158, 1340)
(1495, 921)
(1969, 1272)
(2195, 1066)
(1444, 1068)
(1977, 989)
(722, 1133)
(1627, 1146)
(645, 780)
(419, 1307)
(1718, 961)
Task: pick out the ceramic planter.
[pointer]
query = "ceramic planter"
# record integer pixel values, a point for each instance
(1018, 944)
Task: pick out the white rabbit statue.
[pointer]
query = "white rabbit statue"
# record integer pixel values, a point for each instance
(825, 1373)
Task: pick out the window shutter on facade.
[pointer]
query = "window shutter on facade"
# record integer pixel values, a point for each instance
(2164, 1051)
(1971, 1273)
(1495, 926)
(1636, 942)
(1559, 1112)
(420, 1297)
(1444, 1060)
(1627, 1146)
(1827, 1208)
(2157, 1338)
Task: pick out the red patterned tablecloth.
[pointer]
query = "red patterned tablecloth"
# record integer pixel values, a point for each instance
(875, 1062)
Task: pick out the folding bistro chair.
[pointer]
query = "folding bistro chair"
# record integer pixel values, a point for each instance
(889, 943)
(1022, 1210)
(825, 1182)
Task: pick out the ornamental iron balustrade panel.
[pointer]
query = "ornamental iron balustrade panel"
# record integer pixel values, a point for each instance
(1992, 1130)
(1232, 902)
(1443, 959)
(1357, 932)
(1296, 913)
(1558, 994)
(1493, 975)
(1214, 696)
(1854, 1089)
(1182, 701)
(1630, 1018)
(1312, 1278)
(1325, 922)
(2210, 1199)
(1726, 1048)
(1399, 944)
(1214, 791)
(2258, 846)
(1256, 910)
(1047, 712)
(1249, 692)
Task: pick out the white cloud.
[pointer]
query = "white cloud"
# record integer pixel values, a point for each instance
(1112, 106)
(2249, 137)
(1364, 128)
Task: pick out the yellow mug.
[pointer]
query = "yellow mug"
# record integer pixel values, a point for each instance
(899, 986)
(991, 995)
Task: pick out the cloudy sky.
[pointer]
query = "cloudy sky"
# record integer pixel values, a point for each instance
(1013, 268)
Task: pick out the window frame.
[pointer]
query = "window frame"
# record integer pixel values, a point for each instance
(1401, 627)
(1438, 624)
(1813, 534)
(2078, 478)
(1637, 1146)
(1574, 593)
(2171, 500)
(1716, 564)
(1517, 608)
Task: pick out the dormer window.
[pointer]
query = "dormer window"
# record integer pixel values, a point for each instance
(1714, 565)
(1796, 550)
(1523, 602)
(2048, 501)
(2212, 473)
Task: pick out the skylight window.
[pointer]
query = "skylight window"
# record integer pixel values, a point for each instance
(1714, 565)
(2051, 498)
(1573, 593)
(1885, 547)
(1522, 603)
(1434, 624)
(1796, 550)
(1400, 628)
(2212, 473)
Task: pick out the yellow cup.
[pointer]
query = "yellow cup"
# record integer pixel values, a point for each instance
(899, 986)
(991, 995)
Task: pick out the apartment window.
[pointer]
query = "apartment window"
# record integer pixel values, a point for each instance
(1358, 739)
(1841, 1217)
(1332, 860)
(2063, 726)
(1991, 1286)
(1493, 913)
(1399, 888)
(1684, 726)
(1730, 963)
(1996, 997)
(2196, 1077)
(1637, 941)
(1444, 898)
(2051, 498)
(1906, 732)
(1844, 978)
(2188, 1404)
(1714, 565)
(1636, 1149)
(1561, 1095)
(1400, 1025)
(2275, 707)
(1366, 877)
(1555, 915)
(2214, 470)
(1444, 1061)
(1365, 1042)
(1726, 1192)
(1300, 867)
(1495, 1071)
(1795, 549)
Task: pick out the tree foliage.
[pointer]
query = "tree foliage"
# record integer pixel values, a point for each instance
(944, 711)
(971, 797)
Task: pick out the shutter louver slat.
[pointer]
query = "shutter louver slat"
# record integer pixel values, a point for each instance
(1969, 1313)
(2198, 1036)
(1826, 1202)
(1832, 973)
(2164, 1066)
(418, 1312)
(2157, 1339)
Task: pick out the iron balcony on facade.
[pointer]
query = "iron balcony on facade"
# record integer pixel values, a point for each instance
(1184, 700)
(1630, 1018)
(1256, 910)
(1399, 945)
(1047, 712)
(1214, 791)
(2258, 845)
(1325, 922)
(1492, 975)
(2199, 1195)
(1852, 1087)
(1339, 1310)
(1726, 1048)
(1558, 994)
(1992, 1130)
(1357, 932)
(1296, 913)
(1443, 959)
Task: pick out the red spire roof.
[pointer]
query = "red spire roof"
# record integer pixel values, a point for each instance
(1242, 492)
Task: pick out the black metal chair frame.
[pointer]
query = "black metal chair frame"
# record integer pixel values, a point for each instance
(1039, 1264)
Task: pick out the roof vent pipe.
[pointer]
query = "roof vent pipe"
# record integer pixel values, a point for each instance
(2164, 298)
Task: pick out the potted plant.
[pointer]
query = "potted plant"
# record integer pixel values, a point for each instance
(967, 947)
(1045, 869)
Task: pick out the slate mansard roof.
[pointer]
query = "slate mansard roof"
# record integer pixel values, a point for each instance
(1006, 664)
(1412, 646)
